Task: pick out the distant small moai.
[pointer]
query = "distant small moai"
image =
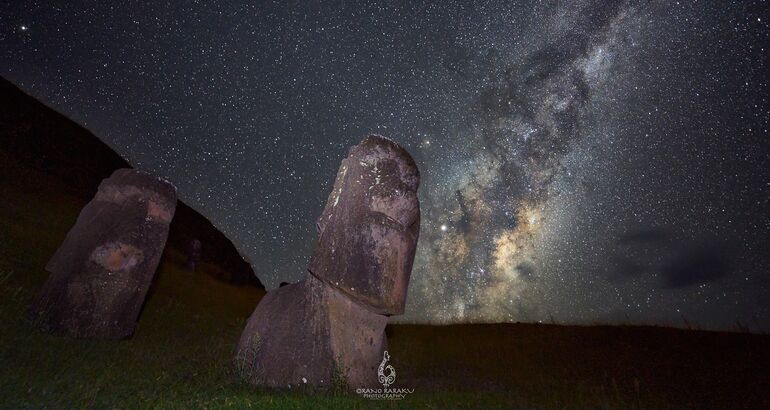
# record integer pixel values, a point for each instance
(330, 327)
(194, 249)
(101, 273)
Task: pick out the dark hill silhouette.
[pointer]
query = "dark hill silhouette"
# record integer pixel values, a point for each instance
(38, 137)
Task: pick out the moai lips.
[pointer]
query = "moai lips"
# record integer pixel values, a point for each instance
(101, 273)
(369, 228)
(330, 327)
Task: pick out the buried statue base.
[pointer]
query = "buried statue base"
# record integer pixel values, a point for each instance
(329, 329)
(311, 333)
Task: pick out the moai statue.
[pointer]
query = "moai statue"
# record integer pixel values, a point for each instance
(330, 327)
(194, 248)
(100, 274)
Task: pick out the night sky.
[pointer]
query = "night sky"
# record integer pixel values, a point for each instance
(582, 162)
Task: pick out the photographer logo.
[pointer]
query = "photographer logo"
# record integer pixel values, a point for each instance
(386, 374)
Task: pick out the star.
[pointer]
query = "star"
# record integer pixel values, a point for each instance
(572, 159)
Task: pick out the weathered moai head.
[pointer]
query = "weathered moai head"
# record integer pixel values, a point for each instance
(101, 272)
(368, 230)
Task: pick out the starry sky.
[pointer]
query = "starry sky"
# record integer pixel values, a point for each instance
(582, 161)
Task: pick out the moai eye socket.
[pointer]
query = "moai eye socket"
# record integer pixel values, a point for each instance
(400, 206)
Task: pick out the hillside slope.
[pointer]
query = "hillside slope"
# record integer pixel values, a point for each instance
(37, 137)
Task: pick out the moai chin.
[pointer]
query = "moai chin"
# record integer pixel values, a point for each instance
(100, 274)
(330, 327)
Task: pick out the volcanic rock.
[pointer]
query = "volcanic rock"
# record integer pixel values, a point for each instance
(103, 269)
(369, 227)
(329, 329)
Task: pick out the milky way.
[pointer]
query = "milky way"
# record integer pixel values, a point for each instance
(582, 162)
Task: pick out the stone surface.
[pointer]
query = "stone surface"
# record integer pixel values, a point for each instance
(329, 329)
(368, 230)
(311, 333)
(100, 274)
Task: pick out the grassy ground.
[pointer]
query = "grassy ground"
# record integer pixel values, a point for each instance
(180, 354)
